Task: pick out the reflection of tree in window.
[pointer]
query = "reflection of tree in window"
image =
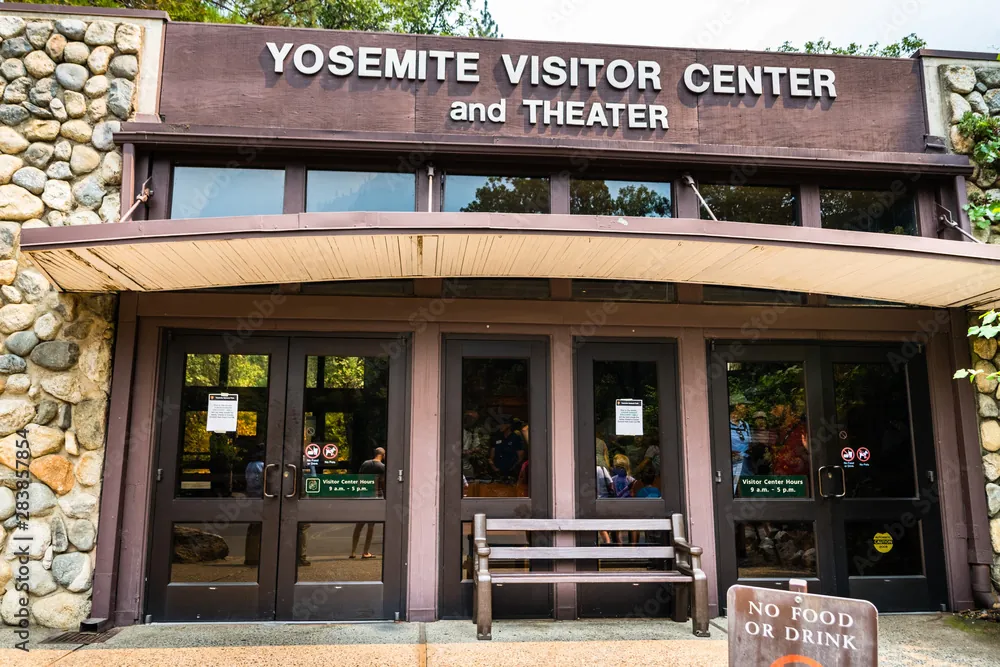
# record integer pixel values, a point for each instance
(882, 211)
(749, 203)
(202, 370)
(347, 401)
(506, 194)
(636, 200)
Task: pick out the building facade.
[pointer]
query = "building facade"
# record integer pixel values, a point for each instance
(283, 309)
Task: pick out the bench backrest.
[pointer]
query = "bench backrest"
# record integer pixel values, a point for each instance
(482, 526)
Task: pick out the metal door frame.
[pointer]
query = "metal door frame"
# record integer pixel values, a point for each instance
(271, 601)
(455, 595)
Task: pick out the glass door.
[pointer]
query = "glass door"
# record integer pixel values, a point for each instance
(888, 517)
(495, 461)
(825, 471)
(279, 487)
(628, 462)
(340, 556)
(770, 454)
(215, 522)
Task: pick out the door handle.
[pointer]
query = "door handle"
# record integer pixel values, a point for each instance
(295, 480)
(266, 468)
(843, 482)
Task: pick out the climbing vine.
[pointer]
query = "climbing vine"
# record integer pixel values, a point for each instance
(984, 132)
(988, 328)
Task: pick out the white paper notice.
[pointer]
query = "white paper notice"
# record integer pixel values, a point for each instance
(222, 410)
(628, 416)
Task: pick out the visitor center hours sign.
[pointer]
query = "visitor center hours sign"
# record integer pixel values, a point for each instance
(542, 78)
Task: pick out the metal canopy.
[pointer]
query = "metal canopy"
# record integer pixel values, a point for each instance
(167, 255)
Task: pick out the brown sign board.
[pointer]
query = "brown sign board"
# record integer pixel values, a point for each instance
(358, 82)
(777, 628)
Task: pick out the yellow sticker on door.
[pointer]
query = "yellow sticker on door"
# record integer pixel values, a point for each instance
(883, 542)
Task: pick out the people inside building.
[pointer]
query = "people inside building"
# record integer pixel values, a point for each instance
(373, 466)
(739, 443)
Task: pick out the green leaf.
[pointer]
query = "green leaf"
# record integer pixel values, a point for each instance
(989, 317)
(960, 374)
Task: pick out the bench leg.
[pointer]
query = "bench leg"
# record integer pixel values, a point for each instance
(483, 607)
(681, 602)
(699, 610)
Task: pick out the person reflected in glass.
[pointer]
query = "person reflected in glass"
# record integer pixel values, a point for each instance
(739, 443)
(650, 455)
(523, 473)
(255, 489)
(507, 453)
(762, 439)
(373, 466)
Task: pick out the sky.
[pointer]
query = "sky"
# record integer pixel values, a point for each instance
(752, 24)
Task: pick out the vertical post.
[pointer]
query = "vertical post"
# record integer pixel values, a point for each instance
(128, 179)
(113, 483)
(295, 189)
(686, 204)
(559, 193)
(697, 452)
(425, 472)
(563, 462)
(809, 205)
(483, 610)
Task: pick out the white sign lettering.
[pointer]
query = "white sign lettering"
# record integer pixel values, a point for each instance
(533, 71)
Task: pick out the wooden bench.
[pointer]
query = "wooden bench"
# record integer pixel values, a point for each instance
(690, 583)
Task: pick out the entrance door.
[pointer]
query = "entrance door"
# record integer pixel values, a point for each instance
(496, 443)
(277, 494)
(628, 462)
(825, 471)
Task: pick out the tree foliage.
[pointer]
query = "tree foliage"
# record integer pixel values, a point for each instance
(504, 194)
(593, 197)
(422, 17)
(901, 49)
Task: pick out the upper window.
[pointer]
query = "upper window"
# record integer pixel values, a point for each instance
(213, 192)
(641, 199)
(333, 191)
(750, 203)
(885, 211)
(623, 290)
(729, 294)
(495, 194)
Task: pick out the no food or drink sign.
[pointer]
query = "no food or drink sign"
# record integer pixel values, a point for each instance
(775, 628)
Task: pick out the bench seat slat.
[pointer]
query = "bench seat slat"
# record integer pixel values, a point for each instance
(578, 524)
(603, 577)
(570, 553)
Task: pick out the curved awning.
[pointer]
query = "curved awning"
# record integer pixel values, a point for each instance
(309, 247)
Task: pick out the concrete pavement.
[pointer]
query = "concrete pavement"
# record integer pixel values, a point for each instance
(933, 639)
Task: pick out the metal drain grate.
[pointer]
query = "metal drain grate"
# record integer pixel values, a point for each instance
(82, 637)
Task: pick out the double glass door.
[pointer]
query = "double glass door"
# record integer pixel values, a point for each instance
(278, 483)
(825, 471)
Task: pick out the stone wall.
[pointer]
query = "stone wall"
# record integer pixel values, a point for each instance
(975, 89)
(66, 83)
